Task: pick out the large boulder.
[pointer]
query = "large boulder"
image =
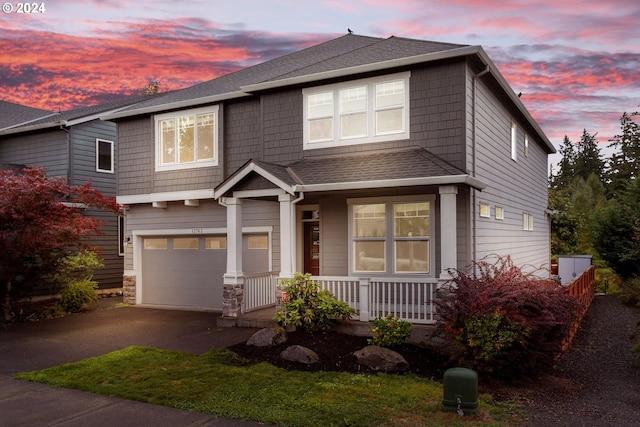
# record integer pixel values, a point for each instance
(268, 337)
(300, 354)
(381, 359)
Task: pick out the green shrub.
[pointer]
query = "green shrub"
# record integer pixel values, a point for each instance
(630, 291)
(306, 306)
(502, 321)
(76, 294)
(389, 332)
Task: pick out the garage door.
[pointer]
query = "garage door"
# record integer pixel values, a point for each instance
(183, 271)
(187, 271)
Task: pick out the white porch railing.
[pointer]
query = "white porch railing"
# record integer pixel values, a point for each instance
(259, 291)
(410, 299)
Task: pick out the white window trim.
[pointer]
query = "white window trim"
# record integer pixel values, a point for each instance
(389, 238)
(370, 83)
(112, 145)
(187, 165)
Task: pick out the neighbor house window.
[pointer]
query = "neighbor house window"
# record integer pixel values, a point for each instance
(104, 156)
(514, 141)
(391, 236)
(187, 139)
(499, 212)
(357, 112)
(526, 145)
(527, 221)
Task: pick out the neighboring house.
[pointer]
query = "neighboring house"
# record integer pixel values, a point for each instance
(77, 146)
(374, 164)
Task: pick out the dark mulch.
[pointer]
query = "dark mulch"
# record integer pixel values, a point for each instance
(336, 350)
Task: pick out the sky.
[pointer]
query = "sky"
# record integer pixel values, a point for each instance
(576, 63)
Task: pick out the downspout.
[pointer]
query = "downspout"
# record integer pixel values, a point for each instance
(473, 160)
(69, 158)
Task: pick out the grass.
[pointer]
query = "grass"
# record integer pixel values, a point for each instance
(223, 384)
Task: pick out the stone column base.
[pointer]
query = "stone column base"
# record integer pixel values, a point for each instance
(129, 290)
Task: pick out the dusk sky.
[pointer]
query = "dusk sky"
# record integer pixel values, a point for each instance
(577, 63)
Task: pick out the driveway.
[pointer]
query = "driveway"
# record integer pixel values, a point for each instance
(39, 345)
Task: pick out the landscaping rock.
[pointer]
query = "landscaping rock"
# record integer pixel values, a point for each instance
(268, 337)
(381, 359)
(300, 354)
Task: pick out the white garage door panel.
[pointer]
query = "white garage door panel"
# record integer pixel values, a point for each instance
(183, 277)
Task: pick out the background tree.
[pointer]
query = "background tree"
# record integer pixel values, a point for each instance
(616, 231)
(624, 164)
(40, 223)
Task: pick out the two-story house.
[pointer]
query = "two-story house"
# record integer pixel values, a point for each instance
(374, 164)
(79, 147)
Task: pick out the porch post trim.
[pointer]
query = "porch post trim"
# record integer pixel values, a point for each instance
(234, 272)
(448, 234)
(287, 233)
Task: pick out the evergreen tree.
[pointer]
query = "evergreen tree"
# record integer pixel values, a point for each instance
(624, 164)
(588, 158)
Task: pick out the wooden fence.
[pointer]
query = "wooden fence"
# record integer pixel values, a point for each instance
(583, 289)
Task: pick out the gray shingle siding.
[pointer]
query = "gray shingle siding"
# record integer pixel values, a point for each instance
(45, 149)
(136, 156)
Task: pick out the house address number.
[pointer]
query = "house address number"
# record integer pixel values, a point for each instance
(196, 231)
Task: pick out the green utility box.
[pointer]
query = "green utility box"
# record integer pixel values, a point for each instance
(460, 391)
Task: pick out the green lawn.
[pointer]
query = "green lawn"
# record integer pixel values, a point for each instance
(221, 383)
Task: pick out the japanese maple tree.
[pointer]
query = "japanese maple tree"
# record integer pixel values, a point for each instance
(41, 221)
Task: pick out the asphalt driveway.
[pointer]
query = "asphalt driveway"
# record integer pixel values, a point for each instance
(38, 345)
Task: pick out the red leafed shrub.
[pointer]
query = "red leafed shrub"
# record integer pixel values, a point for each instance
(503, 322)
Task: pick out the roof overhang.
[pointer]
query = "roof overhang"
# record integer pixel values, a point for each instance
(175, 105)
(406, 182)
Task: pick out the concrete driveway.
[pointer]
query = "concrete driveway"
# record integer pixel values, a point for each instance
(38, 345)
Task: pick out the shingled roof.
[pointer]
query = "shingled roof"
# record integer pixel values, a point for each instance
(342, 53)
(15, 114)
(396, 168)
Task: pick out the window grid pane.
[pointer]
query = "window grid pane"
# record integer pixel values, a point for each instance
(369, 220)
(186, 139)
(215, 243)
(412, 256)
(369, 256)
(185, 243)
(168, 140)
(205, 137)
(411, 220)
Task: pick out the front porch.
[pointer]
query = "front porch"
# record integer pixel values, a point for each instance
(409, 299)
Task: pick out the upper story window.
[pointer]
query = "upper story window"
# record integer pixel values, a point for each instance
(526, 145)
(187, 139)
(357, 112)
(104, 156)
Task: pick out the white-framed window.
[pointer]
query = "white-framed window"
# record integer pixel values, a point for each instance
(104, 156)
(485, 210)
(526, 145)
(187, 139)
(391, 236)
(357, 112)
(527, 221)
(514, 141)
(499, 212)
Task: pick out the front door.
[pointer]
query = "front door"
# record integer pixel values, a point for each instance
(312, 248)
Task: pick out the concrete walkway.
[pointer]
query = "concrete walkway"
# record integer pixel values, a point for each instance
(33, 346)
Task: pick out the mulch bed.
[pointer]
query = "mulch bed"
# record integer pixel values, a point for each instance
(336, 354)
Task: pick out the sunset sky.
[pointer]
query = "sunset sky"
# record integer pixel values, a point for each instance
(577, 63)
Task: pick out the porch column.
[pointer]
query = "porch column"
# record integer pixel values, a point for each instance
(287, 233)
(234, 277)
(448, 236)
